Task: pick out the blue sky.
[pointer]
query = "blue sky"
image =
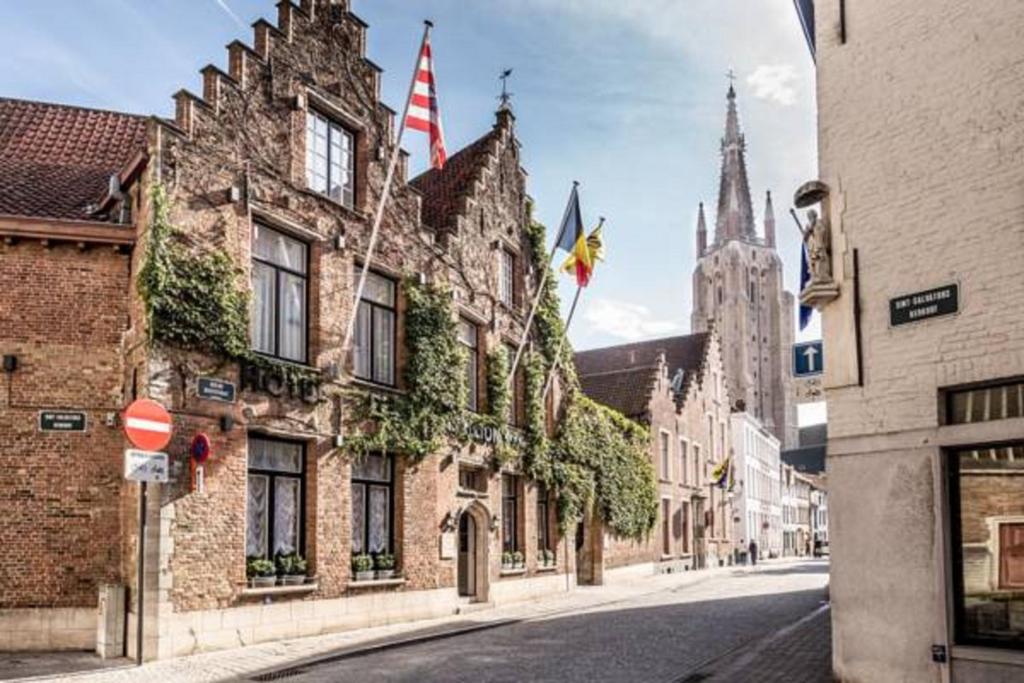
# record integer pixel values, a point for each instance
(626, 97)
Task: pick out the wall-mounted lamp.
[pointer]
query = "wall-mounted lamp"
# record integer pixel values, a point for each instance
(10, 363)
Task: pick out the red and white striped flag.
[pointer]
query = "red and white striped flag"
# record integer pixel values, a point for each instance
(424, 112)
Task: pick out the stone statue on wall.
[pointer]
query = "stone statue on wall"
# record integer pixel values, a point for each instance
(817, 237)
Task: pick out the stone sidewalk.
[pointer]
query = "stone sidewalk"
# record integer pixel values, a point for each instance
(248, 661)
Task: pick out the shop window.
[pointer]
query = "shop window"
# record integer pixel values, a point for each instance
(330, 159)
(509, 513)
(543, 518)
(986, 403)
(374, 344)
(274, 504)
(373, 505)
(987, 522)
(280, 301)
(469, 337)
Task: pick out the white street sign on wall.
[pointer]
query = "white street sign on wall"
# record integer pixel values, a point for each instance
(145, 466)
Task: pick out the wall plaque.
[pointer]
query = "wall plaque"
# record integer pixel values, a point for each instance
(930, 303)
(214, 389)
(61, 421)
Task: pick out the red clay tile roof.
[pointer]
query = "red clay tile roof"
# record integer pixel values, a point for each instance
(55, 159)
(441, 189)
(622, 377)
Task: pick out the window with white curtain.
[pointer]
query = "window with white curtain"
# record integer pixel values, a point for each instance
(279, 302)
(274, 502)
(374, 345)
(330, 158)
(372, 505)
(506, 276)
(469, 337)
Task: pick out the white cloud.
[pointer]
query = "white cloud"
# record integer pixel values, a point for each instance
(626, 320)
(774, 82)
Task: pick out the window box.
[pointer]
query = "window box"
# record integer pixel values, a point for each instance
(547, 568)
(369, 575)
(513, 571)
(375, 583)
(271, 591)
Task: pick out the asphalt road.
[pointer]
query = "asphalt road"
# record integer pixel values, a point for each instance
(714, 629)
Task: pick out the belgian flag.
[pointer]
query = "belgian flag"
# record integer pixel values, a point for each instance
(586, 251)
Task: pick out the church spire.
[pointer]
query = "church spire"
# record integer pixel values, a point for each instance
(769, 221)
(702, 232)
(735, 218)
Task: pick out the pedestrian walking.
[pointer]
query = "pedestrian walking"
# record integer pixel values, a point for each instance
(752, 548)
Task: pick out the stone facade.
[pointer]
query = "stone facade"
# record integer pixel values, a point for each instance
(738, 288)
(920, 146)
(759, 500)
(233, 162)
(676, 388)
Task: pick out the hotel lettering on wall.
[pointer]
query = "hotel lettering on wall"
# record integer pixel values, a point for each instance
(930, 303)
(275, 381)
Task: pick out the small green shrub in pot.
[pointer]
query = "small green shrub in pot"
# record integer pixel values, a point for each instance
(292, 568)
(362, 567)
(506, 560)
(384, 563)
(261, 572)
(518, 559)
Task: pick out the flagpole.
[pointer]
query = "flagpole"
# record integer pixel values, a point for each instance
(385, 192)
(561, 343)
(540, 289)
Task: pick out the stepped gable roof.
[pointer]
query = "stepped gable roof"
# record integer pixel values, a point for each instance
(623, 377)
(442, 189)
(55, 159)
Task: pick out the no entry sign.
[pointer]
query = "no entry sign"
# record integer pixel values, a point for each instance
(147, 425)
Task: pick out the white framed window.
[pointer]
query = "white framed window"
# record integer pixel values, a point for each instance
(666, 453)
(280, 300)
(373, 506)
(374, 344)
(506, 276)
(330, 158)
(274, 500)
(469, 337)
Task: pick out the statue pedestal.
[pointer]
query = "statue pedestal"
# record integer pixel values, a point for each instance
(817, 294)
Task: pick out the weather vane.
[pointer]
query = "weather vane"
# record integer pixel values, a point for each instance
(731, 75)
(505, 95)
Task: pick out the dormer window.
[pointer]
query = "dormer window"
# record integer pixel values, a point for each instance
(330, 159)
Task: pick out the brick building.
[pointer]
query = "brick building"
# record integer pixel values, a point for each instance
(920, 150)
(277, 166)
(675, 387)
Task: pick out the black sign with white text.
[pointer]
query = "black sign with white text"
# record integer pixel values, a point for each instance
(931, 303)
(61, 421)
(216, 390)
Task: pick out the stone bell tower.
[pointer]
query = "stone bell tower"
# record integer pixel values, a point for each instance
(738, 288)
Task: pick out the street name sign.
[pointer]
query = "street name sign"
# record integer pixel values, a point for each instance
(808, 359)
(147, 425)
(214, 389)
(930, 303)
(145, 466)
(61, 421)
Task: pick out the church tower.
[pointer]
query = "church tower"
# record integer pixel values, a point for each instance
(738, 289)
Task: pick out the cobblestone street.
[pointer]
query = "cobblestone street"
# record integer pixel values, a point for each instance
(747, 624)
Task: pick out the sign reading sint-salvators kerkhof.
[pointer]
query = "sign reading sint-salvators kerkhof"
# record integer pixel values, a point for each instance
(930, 303)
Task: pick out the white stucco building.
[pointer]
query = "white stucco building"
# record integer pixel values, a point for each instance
(758, 505)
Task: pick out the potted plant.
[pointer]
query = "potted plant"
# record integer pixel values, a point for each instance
(547, 558)
(261, 572)
(518, 560)
(506, 560)
(384, 563)
(362, 567)
(292, 568)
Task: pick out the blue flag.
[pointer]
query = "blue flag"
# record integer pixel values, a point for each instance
(805, 12)
(805, 277)
(572, 223)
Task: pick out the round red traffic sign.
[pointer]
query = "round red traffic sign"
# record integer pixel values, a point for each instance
(147, 425)
(200, 448)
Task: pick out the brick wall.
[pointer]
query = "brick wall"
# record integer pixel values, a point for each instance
(63, 314)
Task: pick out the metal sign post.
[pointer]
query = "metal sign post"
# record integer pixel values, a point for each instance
(140, 572)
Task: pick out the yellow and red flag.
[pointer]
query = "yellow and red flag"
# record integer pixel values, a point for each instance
(586, 251)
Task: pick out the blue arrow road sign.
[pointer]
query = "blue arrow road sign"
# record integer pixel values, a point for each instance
(808, 359)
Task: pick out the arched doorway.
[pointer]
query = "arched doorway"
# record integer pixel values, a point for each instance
(472, 559)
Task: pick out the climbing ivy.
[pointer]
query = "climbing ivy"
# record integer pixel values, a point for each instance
(418, 422)
(193, 298)
(499, 398)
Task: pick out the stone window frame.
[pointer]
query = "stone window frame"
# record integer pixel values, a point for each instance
(356, 127)
(347, 196)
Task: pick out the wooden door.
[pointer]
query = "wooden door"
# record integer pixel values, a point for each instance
(467, 555)
(1011, 556)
